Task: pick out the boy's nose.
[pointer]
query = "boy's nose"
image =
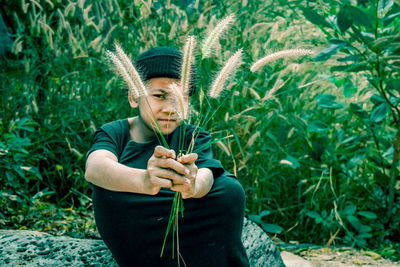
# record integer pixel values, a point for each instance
(169, 108)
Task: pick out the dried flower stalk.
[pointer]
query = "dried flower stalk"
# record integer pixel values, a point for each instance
(232, 64)
(141, 88)
(187, 64)
(215, 34)
(121, 70)
(179, 99)
(280, 54)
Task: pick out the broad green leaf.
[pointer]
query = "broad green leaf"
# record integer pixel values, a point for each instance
(356, 109)
(354, 222)
(316, 127)
(356, 67)
(339, 68)
(349, 209)
(349, 89)
(363, 235)
(379, 113)
(367, 214)
(344, 18)
(377, 99)
(365, 229)
(327, 52)
(255, 218)
(271, 228)
(314, 17)
(337, 41)
(313, 214)
(264, 213)
(361, 17)
(351, 58)
(328, 101)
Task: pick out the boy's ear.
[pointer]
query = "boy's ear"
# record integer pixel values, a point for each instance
(132, 101)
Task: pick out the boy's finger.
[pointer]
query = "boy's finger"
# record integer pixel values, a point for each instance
(161, 182)
(179, 188)
(188, 159)
(161, 151)
(174, 177)
(174, 165)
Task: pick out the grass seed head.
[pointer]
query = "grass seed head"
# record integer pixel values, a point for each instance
(280, 54)
(179, 99)
(187, 62)
(121, 70)
(231, 65)
(215, 34)
(141, 88)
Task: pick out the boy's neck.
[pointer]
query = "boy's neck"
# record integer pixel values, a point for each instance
(139, 131)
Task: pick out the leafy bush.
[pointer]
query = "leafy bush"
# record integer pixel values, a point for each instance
(312, 141)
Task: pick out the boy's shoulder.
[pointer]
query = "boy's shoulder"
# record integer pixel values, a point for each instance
(117, 126)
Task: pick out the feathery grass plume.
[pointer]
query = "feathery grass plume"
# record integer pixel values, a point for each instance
(280, 54)
(179, 99)
(131, 70)
(232, 64)
(121, 70)
(215, 34)
(187, 63)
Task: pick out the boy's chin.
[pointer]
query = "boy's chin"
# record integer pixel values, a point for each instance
(167, 131)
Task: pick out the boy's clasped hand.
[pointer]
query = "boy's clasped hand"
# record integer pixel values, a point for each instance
(164, 170)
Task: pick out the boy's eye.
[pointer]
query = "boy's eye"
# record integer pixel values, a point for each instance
(161, 96)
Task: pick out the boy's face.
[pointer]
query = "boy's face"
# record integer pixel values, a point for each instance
(162, 101)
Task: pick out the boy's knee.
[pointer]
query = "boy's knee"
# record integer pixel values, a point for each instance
(229, 193)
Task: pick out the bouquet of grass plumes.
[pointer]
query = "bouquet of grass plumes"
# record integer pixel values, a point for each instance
(127, 71)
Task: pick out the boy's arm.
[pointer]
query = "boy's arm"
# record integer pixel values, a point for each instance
(104, 170)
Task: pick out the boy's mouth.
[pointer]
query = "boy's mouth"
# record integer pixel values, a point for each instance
(167, 120)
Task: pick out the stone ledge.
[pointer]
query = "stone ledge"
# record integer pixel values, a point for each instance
(30, 248)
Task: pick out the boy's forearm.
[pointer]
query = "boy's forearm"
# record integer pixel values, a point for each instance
(204, 182)
(114, 176)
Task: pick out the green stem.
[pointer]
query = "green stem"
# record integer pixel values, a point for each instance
(393, 173)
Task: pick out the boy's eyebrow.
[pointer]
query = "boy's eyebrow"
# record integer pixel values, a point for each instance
(161, 90)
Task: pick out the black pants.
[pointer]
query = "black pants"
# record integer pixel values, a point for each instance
(133, 226)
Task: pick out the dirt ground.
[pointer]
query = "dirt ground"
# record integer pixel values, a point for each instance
(343, 257)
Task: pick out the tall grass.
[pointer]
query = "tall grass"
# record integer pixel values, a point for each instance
(304, 175)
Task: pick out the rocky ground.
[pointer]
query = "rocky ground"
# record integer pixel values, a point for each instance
(335, 257)
(31, 248)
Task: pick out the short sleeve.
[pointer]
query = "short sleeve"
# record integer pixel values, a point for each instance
(204, 150)
(111, 137)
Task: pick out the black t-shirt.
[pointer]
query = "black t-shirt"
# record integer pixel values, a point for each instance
(115, 137)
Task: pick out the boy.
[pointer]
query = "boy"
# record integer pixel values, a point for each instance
(134, 179)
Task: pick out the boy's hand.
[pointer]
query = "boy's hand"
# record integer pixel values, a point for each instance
(164, 171)
(188, 190)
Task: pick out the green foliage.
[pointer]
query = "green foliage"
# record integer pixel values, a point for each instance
(364, 43)
(312, 141)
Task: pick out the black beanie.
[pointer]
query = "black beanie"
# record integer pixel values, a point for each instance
(163, 61)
